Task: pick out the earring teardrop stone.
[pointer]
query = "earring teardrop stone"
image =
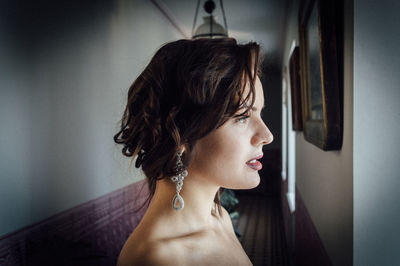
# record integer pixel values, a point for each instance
(178, 199)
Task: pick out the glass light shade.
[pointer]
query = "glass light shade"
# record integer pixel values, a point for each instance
(210, 29)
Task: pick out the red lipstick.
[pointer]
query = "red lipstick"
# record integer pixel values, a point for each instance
(254, 164)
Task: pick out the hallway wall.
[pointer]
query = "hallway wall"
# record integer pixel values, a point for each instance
(376, 132)
(65, 70)
(325, 178)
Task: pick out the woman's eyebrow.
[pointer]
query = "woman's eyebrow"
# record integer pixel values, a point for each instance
(254, 108)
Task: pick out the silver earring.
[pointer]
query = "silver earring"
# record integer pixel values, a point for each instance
(180, 173)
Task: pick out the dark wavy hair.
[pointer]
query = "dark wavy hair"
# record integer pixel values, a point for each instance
(189, 89)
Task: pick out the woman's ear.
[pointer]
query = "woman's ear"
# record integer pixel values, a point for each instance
(183, 148)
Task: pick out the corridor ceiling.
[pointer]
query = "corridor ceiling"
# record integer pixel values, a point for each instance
(262, 21)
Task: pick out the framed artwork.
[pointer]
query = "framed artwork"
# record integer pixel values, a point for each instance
(294, 73)
(320, 36)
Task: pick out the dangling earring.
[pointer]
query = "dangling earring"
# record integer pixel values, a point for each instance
(180, 174)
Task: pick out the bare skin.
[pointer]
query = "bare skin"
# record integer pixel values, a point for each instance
(216, 245)
(197, 235)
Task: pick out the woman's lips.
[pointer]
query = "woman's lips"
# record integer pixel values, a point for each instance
(256, 165)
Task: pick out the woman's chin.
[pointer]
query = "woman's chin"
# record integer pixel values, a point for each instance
(255, 182)
(250, 182)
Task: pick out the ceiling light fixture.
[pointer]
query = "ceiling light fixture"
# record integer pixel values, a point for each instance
(210, 28)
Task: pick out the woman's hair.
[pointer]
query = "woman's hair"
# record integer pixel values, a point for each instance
(189, 89)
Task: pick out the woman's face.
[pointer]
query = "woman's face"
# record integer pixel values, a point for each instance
(222, 157)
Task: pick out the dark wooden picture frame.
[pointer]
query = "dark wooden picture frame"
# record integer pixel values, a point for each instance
(295, 89)
(320, 66)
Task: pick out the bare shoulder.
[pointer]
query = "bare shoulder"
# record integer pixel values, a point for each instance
(164, 253)
(151, 253)
(196, 248)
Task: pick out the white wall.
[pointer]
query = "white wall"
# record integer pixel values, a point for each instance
(324, 179)
(63, 90)
(376, 132)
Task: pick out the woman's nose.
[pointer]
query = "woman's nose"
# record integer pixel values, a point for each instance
(263, 135)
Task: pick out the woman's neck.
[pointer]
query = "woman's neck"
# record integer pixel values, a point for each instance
(198, 213)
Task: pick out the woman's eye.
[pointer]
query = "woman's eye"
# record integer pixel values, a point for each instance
(243, 119)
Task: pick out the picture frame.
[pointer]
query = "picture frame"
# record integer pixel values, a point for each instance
(320, 39)
(295, 89)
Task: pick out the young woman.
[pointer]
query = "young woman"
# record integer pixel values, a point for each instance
(193, 123)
